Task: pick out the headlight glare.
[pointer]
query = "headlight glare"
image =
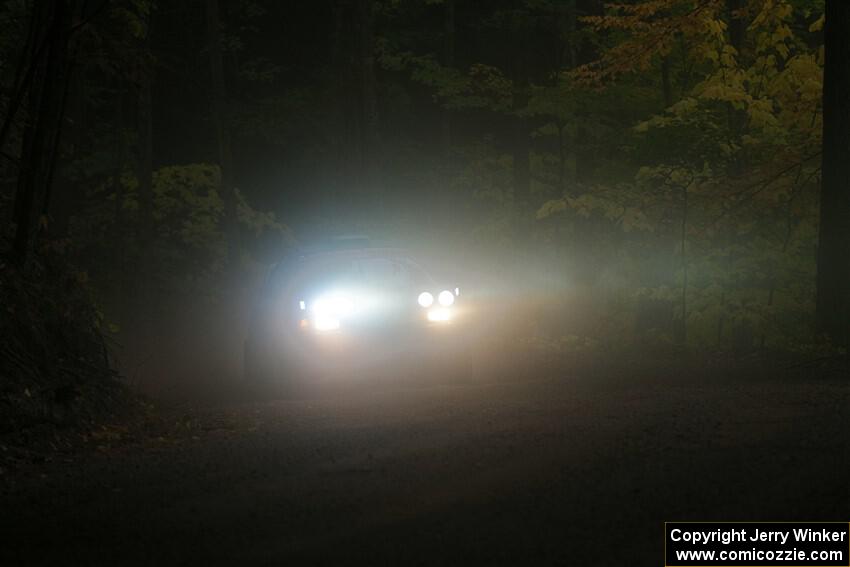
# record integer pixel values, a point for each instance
(326, 324)
(446, 298)
(439, 315)
(425, 299)
(334, 306)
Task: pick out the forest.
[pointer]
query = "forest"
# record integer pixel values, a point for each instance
(648, 174)
(656, 164)
(632, 178)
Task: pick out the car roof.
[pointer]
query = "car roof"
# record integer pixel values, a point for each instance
(343, 243)
(307, 259)
(352, 253)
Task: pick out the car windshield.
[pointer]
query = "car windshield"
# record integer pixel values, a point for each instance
(376, 272)
(390, 273)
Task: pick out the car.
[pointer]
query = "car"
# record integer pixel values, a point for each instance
(351, 304)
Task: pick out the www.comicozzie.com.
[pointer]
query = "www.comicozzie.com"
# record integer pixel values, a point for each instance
(824, 544)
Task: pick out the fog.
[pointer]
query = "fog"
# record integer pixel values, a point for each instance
(433, 281)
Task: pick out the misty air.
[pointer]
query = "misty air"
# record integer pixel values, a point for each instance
(432, 282)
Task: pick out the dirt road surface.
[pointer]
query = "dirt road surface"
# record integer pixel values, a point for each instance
(565, 469)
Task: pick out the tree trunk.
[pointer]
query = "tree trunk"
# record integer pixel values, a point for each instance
(562, 160)
(222, 131)
(32, 52)
(521, 149)
(737, 27)
(368, 101)
(144, 131)
(736, 118)
(145, 154)
(448, 61)
(666, 85)
(47, 96)
(339, 109)
(584, 145)
(833, 278)
(683, 324)
(519, 129)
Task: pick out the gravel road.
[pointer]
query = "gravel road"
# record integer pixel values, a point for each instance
(566, 469)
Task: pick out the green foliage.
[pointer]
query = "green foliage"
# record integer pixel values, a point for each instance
(479, 87)
(53, 354)
(677, 155)
(716, 187)
(188, 243)
(745, 139)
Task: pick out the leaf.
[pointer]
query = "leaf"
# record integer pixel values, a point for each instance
(550, 208)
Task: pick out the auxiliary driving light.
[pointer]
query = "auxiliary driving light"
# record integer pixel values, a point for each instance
(425, 299)
(446, 298)
(326, 324)
(438, 315)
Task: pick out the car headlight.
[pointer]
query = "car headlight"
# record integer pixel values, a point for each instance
(326, 324)
(446, 298)
(333, 306)
(425, 299)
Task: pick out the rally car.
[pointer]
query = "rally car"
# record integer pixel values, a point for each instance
(353, 303)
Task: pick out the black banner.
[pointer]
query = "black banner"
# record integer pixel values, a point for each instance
(758, 544)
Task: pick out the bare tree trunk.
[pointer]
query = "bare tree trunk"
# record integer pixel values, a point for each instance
(55, 137)
(222, 131)
(570, 26)
(736, 118)
(145, 154)
(144, 159)
(562, 165)
(47, 95)
(519, 130)
(521, 147)
(368, 100)
(833, 279)
(34, 47)
(141, 287)
(144, 131)
(584, 146)
(338, 108)
(448, 61)
(683, 328)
